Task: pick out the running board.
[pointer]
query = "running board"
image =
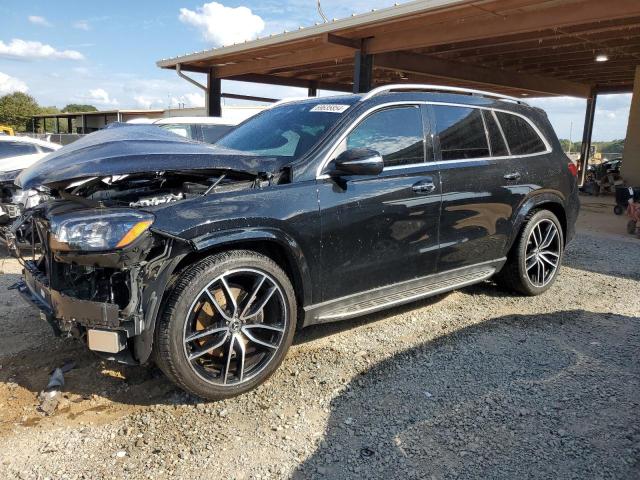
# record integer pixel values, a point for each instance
(399, 294)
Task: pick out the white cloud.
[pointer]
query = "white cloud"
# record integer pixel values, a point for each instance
(222, 25)
(172, 101)
(82, 25)
(26, 49)
(9, 84)
(101, 97)
(37, 20)
(84, 71)
(145, 102)
(194, 99)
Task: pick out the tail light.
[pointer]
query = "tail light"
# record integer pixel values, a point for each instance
(573, 168)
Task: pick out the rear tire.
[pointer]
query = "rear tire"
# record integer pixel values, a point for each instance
(534, 260)
(618, 210)
(227, 324)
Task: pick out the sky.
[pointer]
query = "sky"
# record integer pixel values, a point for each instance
(105, 53)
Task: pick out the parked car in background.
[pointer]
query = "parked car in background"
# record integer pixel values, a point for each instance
(16, 154)
(202, 129)
(208, 258)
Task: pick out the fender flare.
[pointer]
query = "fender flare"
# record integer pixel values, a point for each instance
(300, 268)
(531, 202)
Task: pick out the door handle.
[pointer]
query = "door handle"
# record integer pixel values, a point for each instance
(512, 176)
(423, 187)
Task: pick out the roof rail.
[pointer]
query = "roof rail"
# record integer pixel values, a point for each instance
(436, 88)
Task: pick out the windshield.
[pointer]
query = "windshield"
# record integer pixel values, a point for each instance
(287, 131)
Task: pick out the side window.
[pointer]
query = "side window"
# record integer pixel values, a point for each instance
(498, 147)
(521, 137)
(461, 132)
(213, 133)
(396, 133)
(182, 130)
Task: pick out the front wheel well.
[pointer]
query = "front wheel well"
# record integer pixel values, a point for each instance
(268, 248)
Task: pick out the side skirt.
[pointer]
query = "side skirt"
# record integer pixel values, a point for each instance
(400, 293)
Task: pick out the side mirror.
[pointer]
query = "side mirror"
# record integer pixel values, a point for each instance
(356, 161)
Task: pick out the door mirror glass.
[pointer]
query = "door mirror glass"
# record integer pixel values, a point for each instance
(357, 161)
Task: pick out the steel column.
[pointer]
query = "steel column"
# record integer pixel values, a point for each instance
(213, 97)
(312, 91)
(586, 135)
(362, 72)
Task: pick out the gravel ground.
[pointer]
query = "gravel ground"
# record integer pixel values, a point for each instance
(474, 384)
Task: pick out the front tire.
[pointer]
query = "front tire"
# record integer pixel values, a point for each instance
(533, 263)
(227, 325)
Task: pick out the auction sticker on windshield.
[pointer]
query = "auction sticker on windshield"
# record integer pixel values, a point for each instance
(332, 108)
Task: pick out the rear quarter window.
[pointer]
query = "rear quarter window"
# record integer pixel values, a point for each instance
(521, 137)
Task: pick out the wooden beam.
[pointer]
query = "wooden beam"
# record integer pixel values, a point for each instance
(293, 59)
(252, 98)
(290, 82)
(608, 89)
(461, 71)
(555, 17)
(356, 44)
(540, 37)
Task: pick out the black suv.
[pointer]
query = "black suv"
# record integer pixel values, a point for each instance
(206, 259)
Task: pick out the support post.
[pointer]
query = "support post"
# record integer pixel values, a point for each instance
(362, 72)
(630, 170)
(69, 125)
(84, 124)
(312, 91)
(586, 135)
(57, 124)
(213, 96)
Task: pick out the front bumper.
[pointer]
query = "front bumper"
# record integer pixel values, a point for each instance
(61, 311)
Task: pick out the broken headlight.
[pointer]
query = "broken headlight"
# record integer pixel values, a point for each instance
(110, 230)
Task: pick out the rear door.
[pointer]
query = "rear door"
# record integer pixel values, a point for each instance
(380, 230)
(478, 194)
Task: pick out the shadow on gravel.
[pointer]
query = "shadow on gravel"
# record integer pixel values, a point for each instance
(545, 396)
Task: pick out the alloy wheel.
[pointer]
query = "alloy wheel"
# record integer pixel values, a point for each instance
(543, 253)
(235, 326)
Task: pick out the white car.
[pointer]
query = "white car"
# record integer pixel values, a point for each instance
(203, 129)
(18, 153)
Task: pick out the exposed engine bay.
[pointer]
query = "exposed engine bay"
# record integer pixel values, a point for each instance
(148, 190)
(135, 191)
(13, 201)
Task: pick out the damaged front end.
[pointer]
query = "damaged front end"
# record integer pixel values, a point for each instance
(102, 268)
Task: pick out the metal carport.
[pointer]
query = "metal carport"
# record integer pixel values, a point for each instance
(578, 48)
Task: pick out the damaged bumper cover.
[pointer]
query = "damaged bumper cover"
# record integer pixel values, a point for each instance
(59, 308)
(130, 327)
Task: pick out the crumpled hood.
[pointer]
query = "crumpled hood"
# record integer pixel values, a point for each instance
(130, 149)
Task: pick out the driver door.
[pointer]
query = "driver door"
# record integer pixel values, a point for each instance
(381, 230)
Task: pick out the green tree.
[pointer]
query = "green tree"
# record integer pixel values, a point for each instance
(16, 110)
(76, 107)
(615, 146)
